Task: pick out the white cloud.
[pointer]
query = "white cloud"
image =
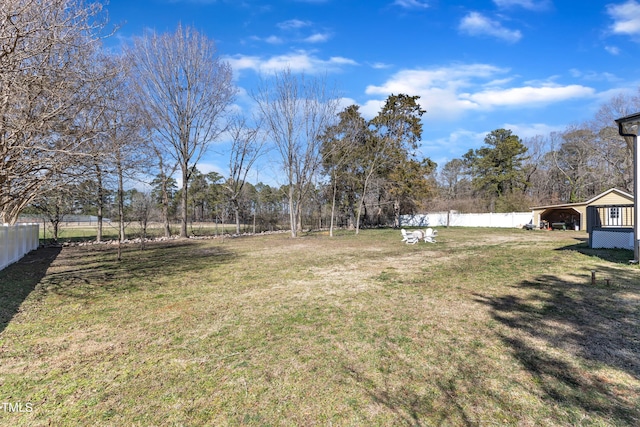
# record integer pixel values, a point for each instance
(379, 65)
(299, 61)
(594, 75)
(293, 24)
(371, 108)
(205, 168)
(527, 95)
(452, 77)
(447, 93)
(317, 38)
(528, 130)
(466, 138)
(626, 17)
(342, 60)
(439, 88)
(462, 135)
(613, 50)
(411, 4)
(274, 40)
(293, 28)
(525, 4)
(499, 82)
(476, 24)
(346, 102)
(453, 145)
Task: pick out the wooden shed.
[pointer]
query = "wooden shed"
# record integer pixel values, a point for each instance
(573, 216)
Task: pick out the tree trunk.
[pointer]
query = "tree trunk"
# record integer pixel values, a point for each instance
(236, 210)
(144, 234)
(361, 204)
(165, 206)
(55, 222)
(121, 229)
(396, 213)
(292, 213)
(100, 202)
(165, 193)
(185, 199)
(56, 227)
(333, 207)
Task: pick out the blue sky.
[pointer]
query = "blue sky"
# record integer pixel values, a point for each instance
(532, 66)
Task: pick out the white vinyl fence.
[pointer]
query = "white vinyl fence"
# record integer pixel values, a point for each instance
(16, 241)
(455, 219)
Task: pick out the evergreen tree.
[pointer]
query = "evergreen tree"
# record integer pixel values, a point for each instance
(497, 167)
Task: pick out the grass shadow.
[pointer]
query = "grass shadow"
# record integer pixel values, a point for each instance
(418, 398)
(83, 271)
(18, 280)
(567, 333)
(617, 256)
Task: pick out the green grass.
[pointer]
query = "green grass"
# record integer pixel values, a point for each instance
(486, 327)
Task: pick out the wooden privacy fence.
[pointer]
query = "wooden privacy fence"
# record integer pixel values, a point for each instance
(16, 241)
(455, 219)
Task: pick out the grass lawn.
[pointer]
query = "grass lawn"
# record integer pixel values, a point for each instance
(486, 327)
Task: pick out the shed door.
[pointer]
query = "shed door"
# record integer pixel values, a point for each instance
(614, 217)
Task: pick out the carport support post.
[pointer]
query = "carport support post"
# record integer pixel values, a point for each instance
(628, 128)
(636, 206)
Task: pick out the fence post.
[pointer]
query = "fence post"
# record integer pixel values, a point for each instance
(36, 235)
(22, 240)
(4, 246)
(13, 247)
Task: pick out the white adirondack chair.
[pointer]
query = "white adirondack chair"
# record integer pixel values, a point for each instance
(410, 237)
(430, 235)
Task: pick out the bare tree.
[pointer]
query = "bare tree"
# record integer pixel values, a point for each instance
(46, 49)
(536, 169)
(246, 145)
(612, 148)
(296, 111)
(123, 138)
(577, 161)
(54, 205)
(164, 181)
(185, 89)
(142, 210)
(99, 120)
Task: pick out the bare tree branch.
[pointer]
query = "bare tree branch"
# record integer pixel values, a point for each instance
(46, 81)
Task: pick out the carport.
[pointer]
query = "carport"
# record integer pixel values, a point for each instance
(562, 217)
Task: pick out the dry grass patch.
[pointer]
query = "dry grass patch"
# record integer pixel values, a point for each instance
(485, 327)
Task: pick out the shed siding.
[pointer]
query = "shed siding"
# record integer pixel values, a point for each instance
(583, 216)
(612, 199)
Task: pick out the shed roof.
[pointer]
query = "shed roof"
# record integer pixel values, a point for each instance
(629, 118)
(588, 202)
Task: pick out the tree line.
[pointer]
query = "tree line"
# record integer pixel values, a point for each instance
(511, 174)
(81, 125)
